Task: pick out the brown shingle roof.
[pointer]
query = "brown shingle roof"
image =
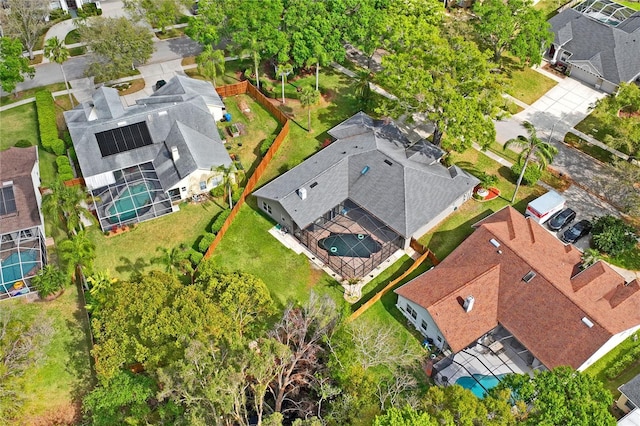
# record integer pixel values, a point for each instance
(16, 165)
(544, 314)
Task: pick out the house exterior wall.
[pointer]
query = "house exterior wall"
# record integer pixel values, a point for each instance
(190, 185)
(216, 112)
(614, 341)
(443, 215)
(35, 179)
(622, 402)
(422, 317)
(98, 181)
(592, 79)
(275, 210)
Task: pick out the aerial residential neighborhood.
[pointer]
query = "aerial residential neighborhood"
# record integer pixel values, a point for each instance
(292, 212)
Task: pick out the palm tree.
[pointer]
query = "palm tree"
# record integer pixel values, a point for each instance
(99, 287)
(308, 97)
(66, 206)
(533, 148)
(283, 70)
(171, 259)
(589, 257)
(55, 51)
(52, 205)
(210, 62)
(228, 178)
(78, 253)
(363, 87)
(49, 280)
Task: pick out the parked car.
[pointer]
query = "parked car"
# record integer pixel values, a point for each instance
(577, 231)
(561, 219)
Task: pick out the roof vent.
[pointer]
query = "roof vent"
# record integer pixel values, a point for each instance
(468, 303)
(587, 322)
(175, 154)
(364, 170)
(494, 242)
(122, 123)
(388, 162)
(302, 193)
(313, 185)
(530, 275)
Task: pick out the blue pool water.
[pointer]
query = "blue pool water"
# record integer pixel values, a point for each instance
(11, 265)
(133, 201)
(352, 245)
(470, 383)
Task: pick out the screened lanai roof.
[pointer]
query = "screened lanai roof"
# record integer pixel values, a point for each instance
(605, 11)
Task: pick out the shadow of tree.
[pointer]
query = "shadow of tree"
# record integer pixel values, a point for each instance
(80, 361)
(134, 268)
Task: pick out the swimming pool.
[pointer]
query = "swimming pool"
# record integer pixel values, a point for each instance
(352, 245)
(488, 382)
(11, 265)
(134, 200)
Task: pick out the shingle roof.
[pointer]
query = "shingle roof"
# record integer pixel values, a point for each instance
(545, 314)
(16, 165)
(370, 164)
(632, 390)
(178, 111)
(610, 52)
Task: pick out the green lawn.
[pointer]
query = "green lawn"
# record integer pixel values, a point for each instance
(18, 123)
(65, 373)
(632, 4)
(596, 126)
(30, 93)
(592, 150)
(72, 37)
(598, 369)
(259, 124)
(628, 260)
(453, 230)
(132, 251)
(528, 85)
(247, 246)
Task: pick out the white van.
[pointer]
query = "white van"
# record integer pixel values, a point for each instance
(543, 207)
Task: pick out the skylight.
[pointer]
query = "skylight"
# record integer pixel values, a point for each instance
(605, 11)
(7, 200)
(529, 276)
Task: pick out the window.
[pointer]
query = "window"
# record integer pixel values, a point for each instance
(266, 207)
(423, 325)
(183, 189)
(203, 185)
(412, 311)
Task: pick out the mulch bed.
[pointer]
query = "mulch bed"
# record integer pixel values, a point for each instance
(493, 194)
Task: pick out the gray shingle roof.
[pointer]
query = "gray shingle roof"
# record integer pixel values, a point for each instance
(632, 390)
(369, 164)
(177, 114)
(610, 52)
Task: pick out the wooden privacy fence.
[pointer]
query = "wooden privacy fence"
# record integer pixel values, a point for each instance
(241, 88)
(388, 287)
(414, 244)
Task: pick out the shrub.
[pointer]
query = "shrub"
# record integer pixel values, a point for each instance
(62, 160)
(195, 257)
(622, 363)
(23, 143)
(265, 145)
(612, 235)
(56, 14)
(218, 191)
(65, 176)
(66, 137)
(236, 193)
(89, 9)
(65, 168)
(531, 175)
(220, 219)
(57, 146)
(47, 120)
(73, 155)
(205, 242)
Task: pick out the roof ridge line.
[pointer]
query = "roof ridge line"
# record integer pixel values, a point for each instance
(491, 268)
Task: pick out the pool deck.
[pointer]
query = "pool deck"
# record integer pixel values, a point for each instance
(292, 243)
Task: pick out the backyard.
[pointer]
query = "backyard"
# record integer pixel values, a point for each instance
(56, 384)
(599, 368)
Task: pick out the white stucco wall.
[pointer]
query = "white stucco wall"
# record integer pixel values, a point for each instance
(436, 220)
(610, 344)
(191, 184)
(422, 314)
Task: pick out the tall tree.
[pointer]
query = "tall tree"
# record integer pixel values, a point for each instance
(513, 26)
(623, 187)
(55, 51)
(228, 179)
(159, 13)
(406, 416)
(13, 66)
(49, 280)
(428, 69)
(366, 23)
(66, 206)
(309, 97)
(561, 396)
(25, 20)
(78, 254)
(118, 45)
(532, 148)
(210, 63)
(621, 113)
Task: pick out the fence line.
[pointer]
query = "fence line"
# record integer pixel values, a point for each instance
(75, 182)
(389, 286)
(241, 88)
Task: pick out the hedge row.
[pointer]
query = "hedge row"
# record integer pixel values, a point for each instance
(217, 224)
(205, 241)
(47, 123)
(622, 363)
(266, 144)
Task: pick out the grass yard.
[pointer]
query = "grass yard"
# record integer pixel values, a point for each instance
(18, 123)
(453, 230)
(65, 374)
(248, 247)
(259, 124)
(72, 37)
(631, 4)
(596, 126)
(594, 151)
(132, 251)
(598, 369)
(628, 260)
(30, 93)
(528, 85)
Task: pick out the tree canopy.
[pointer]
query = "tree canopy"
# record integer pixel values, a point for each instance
(119, 45)
(13, 66)
(25, 20)
(159, 13)
(513, 26)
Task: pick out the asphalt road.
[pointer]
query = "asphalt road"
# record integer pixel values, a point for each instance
(165, 50)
